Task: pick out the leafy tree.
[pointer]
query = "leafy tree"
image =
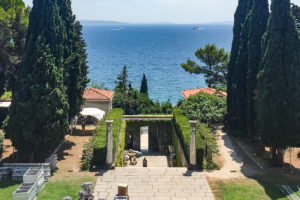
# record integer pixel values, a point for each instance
(38, 117)
(296, 13)
(13, 26)
(215, 68)
(239, 20)
(205, 108)
(257, 20)
(278, 88)
(144, 85)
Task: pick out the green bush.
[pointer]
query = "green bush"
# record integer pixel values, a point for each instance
(205, 108)
(182, 127)
(99, 142)
(1, 144)
(119, 157)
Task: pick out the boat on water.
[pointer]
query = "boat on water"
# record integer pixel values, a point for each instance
(117, 29)
(197, 28)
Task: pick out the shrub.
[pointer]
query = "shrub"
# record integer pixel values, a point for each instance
(1, 144)
(99, 139)
(205, 108)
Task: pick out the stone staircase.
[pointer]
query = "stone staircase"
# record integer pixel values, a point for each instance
(154, 183)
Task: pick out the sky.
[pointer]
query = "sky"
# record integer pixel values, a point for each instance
(155, 11)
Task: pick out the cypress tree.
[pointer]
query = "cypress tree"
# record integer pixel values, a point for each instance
(240, 74)
(258, 20)
(278, 108)
(239, 19)
(38, 118)
(75, 59)
(144, 85)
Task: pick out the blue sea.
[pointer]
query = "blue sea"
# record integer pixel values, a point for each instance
(156, 50)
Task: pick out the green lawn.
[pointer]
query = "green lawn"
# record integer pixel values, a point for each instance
(66, 186)
(262, 188)
(7, 187)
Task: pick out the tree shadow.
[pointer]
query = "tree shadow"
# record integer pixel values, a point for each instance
(61, 154)
(8, 183)
(269, 178)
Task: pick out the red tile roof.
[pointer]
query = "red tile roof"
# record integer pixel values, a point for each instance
(97, 94)
(188, 93)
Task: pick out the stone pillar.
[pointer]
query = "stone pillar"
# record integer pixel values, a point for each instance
(109, 142)
(193, 159)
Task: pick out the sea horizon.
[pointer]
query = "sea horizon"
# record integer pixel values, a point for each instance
(154, 49)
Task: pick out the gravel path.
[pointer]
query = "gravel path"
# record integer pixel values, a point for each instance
(234, 166)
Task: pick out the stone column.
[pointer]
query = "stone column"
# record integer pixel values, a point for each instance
(109, 142)
(193, 159)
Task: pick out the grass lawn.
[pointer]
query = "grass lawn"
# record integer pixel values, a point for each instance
(64, 186)
(260, 188)
(7, 187)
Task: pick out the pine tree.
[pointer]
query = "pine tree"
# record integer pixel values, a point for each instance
(258, 20)
(38, 118)
(144, 85)
(278, 108)
(239, 20)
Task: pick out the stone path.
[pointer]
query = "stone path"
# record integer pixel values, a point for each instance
(157, 183)
(153, 160)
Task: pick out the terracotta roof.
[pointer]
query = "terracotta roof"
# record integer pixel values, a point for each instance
(97, 94)
(188, 93)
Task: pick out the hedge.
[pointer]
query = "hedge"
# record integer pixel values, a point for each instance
(99, 139)
(182, 127)
(119, 157)
(133, 126)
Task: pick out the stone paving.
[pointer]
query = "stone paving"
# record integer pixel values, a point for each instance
(156, 183)
(153, 160)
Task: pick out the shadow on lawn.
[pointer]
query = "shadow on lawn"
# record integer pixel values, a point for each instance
(8, 183)
(268, 178)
